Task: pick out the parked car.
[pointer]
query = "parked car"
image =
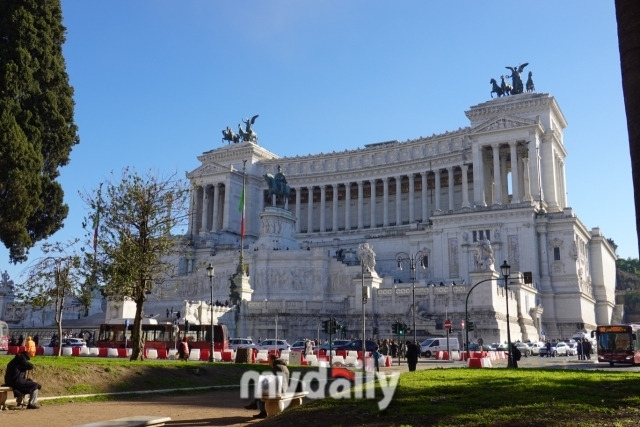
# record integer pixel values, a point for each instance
(334, 344)
(301, 345)
(73, 342)
(274, 345)
(524, 348)
(573, 349)
(236, 343)
(356, 345)
(557, 349)
(430, 346)
(535, 347)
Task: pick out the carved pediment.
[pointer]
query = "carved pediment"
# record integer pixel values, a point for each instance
(504, 122)
(208, 169)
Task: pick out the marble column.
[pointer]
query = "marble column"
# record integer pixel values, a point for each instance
(412, 190)
(323, 207)
(465, 186)
(374, 222)
(398, 180)
(215, 224)
(360, 205)
(205, 209)
(425, 196)
(310, 210)
(437, 190)
(385, 202)
(298, 200)
(478, 176)
(334, 208)
(515, 172)
(347, 206)
(450, 187)
(497, 186)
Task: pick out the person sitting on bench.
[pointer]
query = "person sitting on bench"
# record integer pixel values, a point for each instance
(279, 368)
(16, 378)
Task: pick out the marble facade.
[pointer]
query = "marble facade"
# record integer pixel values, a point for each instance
(501, 179)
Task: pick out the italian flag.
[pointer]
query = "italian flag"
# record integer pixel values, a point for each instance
(241, 210)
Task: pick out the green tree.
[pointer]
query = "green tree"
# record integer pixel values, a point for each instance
(134, 219)
(53, 279)
(630, 265)
(37, 129)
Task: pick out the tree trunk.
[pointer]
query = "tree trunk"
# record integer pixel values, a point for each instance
(137, 343)
(628, 18)
(59, 307)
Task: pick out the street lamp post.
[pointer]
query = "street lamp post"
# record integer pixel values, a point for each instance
(506, 270)
(365, 295)
(411, 260)
(210, 275)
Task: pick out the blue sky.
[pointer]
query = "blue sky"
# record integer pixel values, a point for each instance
(157, 80)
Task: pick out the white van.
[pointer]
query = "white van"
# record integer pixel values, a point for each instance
(430, 346)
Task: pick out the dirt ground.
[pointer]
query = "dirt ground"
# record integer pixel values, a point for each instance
(217, 408)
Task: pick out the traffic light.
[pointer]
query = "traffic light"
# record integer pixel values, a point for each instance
(394, 327)
(343, 331)
(326, 326)
(375, 330)
(186, 326)
(335, 326)
(402, 328)
(470, 326)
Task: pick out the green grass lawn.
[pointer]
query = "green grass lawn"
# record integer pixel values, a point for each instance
(446, 397)
(490, 397)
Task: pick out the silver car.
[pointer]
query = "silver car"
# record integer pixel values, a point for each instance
(236, 343)
(274, 345)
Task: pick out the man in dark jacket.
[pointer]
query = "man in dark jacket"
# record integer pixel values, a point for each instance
(412, 355)
(16, 378)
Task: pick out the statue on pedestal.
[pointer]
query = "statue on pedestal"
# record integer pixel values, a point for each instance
(367, 257)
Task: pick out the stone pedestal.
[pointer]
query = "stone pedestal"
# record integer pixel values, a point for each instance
(277, 231)
(370, 282)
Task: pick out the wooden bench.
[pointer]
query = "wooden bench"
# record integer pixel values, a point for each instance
(135, 421)
(4, 391)
(275, 404)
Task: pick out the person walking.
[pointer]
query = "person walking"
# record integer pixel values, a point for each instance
(580, 350)
(376, 359)
(515, 355)
(30, 346)
(183, 350)
(586, 348)
(412, 356)
(393, 347)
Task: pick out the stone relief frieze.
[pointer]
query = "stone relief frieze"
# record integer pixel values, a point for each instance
(514, 252)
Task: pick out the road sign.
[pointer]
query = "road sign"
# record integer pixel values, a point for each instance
(447, 324)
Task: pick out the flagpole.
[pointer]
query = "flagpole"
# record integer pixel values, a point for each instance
(242, 227)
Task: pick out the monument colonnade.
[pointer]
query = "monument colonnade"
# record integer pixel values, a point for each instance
(359, 204)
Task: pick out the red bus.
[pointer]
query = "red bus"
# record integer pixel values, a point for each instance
(164, 335)
(618, 343)
(4, 336)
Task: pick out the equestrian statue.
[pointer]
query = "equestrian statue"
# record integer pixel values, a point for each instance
(230, 136)
(278, 186)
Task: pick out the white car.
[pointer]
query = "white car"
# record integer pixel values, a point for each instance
(274, 345)
(535, 347)
(73, 342)
(236, 343)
